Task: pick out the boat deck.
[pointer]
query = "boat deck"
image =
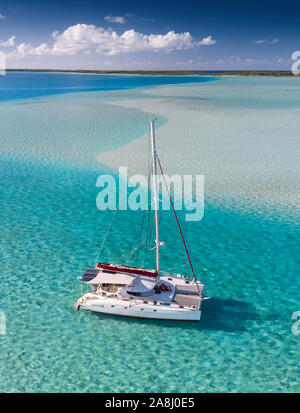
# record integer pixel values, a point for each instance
(181, 293)
(187, 300)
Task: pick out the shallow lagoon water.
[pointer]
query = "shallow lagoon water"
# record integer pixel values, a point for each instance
(241, 133)
(51, 231)
(19, 85)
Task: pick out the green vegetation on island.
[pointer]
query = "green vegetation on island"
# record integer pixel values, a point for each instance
(166, 72)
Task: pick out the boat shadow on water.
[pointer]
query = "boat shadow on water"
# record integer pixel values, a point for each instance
(227, 315)
(217, 314)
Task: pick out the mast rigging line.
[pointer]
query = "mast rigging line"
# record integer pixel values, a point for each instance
(156, 203)
(130, 252)
(149, 169)
(178, 224)
(107, 232)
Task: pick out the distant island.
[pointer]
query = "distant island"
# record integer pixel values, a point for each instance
(166, 72)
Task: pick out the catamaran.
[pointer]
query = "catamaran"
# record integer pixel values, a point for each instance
(139, 292)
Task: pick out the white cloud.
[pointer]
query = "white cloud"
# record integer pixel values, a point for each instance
(9, 43)
(115, 19)
(108, 42)
(82, 38)
(55, 34)
(25, 49)
(2, 17)
(207, 41)
(261, 41)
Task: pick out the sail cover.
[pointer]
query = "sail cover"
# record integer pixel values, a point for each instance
(128, 270)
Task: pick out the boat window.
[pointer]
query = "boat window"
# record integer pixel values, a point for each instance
(108, 272)
(134, 293)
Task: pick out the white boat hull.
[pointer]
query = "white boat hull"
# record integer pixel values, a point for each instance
(136, 309)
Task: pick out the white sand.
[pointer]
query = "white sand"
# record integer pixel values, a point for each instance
(242, 134)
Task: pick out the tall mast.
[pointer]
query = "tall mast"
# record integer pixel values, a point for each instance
(156, 201)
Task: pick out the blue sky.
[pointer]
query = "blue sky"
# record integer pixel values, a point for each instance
(129, 34)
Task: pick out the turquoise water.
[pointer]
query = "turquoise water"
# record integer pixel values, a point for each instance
(19, 85)
(51, 231)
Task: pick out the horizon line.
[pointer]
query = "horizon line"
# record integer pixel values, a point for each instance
(147, 70)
